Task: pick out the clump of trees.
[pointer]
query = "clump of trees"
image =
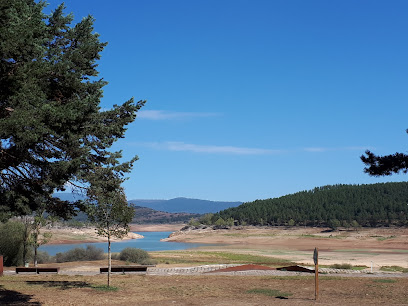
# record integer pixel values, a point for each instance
(211, 220)
(350, 206)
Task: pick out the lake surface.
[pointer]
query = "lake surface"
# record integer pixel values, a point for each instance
(150, 242)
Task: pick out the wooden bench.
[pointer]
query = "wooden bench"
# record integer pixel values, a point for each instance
(37, 270)
(123, 269)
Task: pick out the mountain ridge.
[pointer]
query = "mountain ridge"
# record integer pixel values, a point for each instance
(176, 205)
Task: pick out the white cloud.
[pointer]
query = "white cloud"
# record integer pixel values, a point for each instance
(167, 115)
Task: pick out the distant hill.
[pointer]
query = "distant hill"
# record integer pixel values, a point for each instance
(177, 210)
(381, 204)
(185, 205)
(147, 215)
(68, 196)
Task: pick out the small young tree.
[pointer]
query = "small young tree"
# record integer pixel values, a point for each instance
(27, 222)
(107, 206)
(38, 239)
(32, 237)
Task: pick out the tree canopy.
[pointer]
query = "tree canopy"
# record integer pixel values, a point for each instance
(385, 165)
(52, 127)
(367, 205)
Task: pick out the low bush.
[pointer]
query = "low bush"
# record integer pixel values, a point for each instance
(394, 269)
(44, 257)
(80, 254)
(115, 256)
(342, 266)
(11, 243)
(136, 256)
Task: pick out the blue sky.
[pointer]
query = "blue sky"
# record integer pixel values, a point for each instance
(253, 99)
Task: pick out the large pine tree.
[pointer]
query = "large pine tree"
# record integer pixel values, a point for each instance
(52, 128)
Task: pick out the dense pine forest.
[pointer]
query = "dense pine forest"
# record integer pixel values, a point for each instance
(372, 205)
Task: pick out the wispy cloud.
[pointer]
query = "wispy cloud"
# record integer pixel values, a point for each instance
(168, 115)
(215, 149)
(186, 147)
(327, 149)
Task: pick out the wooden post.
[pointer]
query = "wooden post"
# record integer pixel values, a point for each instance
(316, 262)
(1, 265)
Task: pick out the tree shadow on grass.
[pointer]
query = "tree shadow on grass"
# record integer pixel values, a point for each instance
(63, 285)
(11, 297)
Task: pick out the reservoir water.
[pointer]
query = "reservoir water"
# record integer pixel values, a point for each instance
(150, 242)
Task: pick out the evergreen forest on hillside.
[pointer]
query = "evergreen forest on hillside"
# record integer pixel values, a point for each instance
(383, 204)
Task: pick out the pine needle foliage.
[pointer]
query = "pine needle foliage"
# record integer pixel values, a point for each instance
(52, 127)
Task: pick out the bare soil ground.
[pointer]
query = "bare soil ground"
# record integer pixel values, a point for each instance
(377, 246)
(66, 235)
(156, 227)
(200, 290)
(367, 246)
(80, 235)
(384, 246)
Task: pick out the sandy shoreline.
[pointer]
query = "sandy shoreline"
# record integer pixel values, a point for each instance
(82, 235)
(368, 246)
(89, 235)
(156, 227)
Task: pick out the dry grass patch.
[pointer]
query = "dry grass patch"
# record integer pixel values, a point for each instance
(195, 290)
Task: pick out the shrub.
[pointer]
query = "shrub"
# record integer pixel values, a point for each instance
(220, 222)
(334, 224)
(394, 269)
(342, 266)
(206, 219)
(11, 243)
(194, 222)
(43, 257)
(80, 254)
(136, 256)
(115, 256)
(93, 253)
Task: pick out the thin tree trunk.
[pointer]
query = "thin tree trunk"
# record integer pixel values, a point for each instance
(36, 234)
(35, 255)
(109, 260)
(25, 249)
(25, 238)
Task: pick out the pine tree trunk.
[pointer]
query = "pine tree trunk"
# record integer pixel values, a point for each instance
(109, 260)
